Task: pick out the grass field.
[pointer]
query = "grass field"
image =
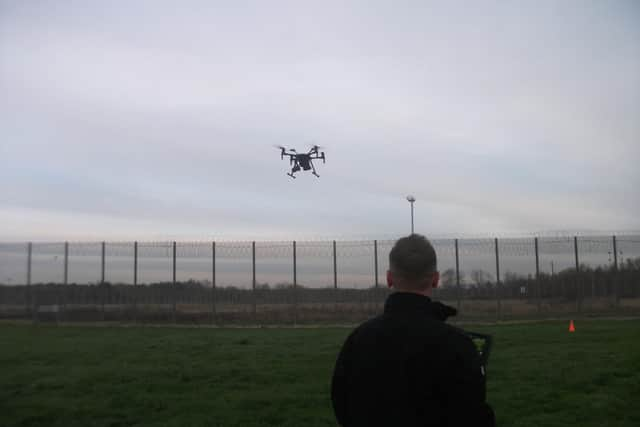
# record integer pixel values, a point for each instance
(539, 375)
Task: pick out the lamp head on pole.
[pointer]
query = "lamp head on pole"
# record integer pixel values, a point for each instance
(411, 199)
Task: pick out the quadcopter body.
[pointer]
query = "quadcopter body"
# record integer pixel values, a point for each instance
(302, 161)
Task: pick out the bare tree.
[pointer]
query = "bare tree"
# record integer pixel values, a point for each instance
(448, 278)
(480, 277)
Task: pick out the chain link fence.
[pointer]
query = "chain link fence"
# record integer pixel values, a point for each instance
(321, 282)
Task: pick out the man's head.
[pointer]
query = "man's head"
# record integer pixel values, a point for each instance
(413, 265)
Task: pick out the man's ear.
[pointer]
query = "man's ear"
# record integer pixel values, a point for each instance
(389, 279)
(435, 280)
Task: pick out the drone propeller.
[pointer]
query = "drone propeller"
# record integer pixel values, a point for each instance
(315, 149)
(282, 150)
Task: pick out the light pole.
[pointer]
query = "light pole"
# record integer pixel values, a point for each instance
(411, 199)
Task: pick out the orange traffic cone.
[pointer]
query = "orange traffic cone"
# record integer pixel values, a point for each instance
(571, 327)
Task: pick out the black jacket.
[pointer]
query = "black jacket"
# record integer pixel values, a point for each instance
(409, 368)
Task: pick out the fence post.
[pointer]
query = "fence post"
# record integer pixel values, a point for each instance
(65, 281)
(253, 280)
(498, 288)
(135, 281)
(31, 300)
(616, 289)
(102, 262)
(375, 261)
(213, 283)
(173, 289)
(102, 287)
(615, 253)
(335, 267)
(538, 284)
(457, 273)
(66, 263)
(376, 293)
(295, 285)
(578, 282)
(335, 276)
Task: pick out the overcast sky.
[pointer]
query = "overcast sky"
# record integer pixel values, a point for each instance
(157, 120)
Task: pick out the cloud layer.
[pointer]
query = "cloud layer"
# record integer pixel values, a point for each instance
(140, 120)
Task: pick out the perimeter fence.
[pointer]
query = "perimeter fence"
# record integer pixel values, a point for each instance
(320, 282)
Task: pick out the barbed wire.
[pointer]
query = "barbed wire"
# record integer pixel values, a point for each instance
(119, 249)
(595, 246)
(629, 246)
(315, 249)
(13, 248)
(85, 249)
(629, 239)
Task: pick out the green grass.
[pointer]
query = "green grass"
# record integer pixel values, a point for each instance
(539, 375)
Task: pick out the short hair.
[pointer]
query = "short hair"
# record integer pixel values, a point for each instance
(413, 258)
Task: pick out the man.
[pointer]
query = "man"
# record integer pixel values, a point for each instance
(407, 367)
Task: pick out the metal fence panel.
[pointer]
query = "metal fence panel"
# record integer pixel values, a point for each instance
(317, 282)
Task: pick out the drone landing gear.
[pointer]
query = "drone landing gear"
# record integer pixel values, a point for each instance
(291, 175)
(314, 172)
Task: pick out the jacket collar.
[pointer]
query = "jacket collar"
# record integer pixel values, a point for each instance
(407, 303)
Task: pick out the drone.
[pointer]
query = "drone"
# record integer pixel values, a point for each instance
(302, 161)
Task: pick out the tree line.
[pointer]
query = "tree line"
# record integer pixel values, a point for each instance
(569, 284)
